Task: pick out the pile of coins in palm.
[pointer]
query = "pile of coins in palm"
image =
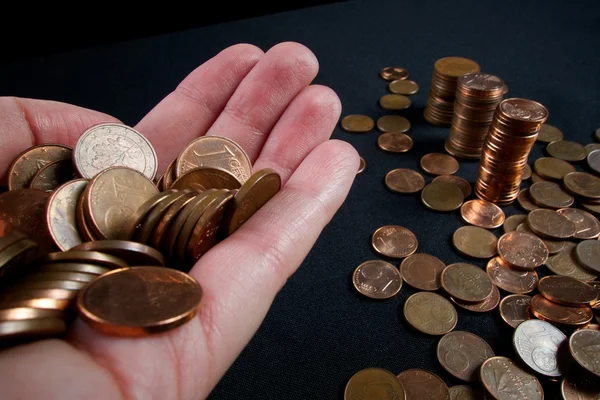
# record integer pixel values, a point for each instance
(87, 229)
(555, 339)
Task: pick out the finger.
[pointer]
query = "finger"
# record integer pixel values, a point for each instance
(308, 121)
(264, 94)
(27, 122)
(191, 109)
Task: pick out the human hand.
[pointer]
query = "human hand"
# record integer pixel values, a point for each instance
(265, 104)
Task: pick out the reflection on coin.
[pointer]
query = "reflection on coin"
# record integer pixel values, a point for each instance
(593, 158)
(566, 263)
(442, 196)
(586, 225)
(550, 224)
(474, 242)
(511, 223)
(82, 254)
(30, 161)
(361, 166)
(377, 279)
(374, 383)
(525, 201)
(462, 353)
(549, 133)
(546, 310)
(514, 309)
(394, 241)
(357, 123)
(550, 195)
(483, 306)
(583, 184)
(466, 282)
(579, 389)
(439, 164)
(553, 246)
(584, 346)
(567, 291)
(537, 343)
(393, 73)
(588, 255)
(421, 384)
(393, 123)
(457, 180)
(503, 379)
(456, 66)
(510, 279)
(482, 213)
(394, 102)
(395, 142)
(552, 168)
(464, 392)
(404, 181)
(522, 250)
(131, 252)
(566, 150)
(404, 87)
(430, 313)
(422, 271)
(60, 214)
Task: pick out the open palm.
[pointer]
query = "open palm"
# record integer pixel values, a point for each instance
(262, 101)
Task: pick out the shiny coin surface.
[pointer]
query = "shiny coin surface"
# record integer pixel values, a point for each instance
(466, 282)
(73, 267)
(394, 241)
(456, 66)
(457, 180)
(483, 306)
(377, 279)
(552, 168)
(374, 383)
(579, 389)
(395, 142)
(475, 242)
(550, 224)
(131, 253)
(202, 179)
(514, 309)
(422, 271)
(394, 102)
(511, 223)
(404, 181)
(550, 195)
(421, 384)
(522, 250)
(357, 123)
(593, 158)
(482, 213)
(404, 87)
(566, 150)
(144, 231)
(553, 246)
(584, 346)
(503, 379)
(30, 161)
(60, 214)
(139, 300)
(362, 165)
(83, 254)
(587, 253)
(462, 353)
(430, 313)
(549, 133)
(565, 263)
(525, 201)
(53, 175)
(546, 310)
(567, 291)
(393, 123)
(464, 392)
(538, 343)
(114, 145)
(19, 331)
(583, 184)
(25, 313)
(586, 225)
(442, 196)
(393, 73)
(510, 279)
(439, 164)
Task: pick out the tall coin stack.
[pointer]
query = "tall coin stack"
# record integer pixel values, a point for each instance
(477, 97)
(446, 71)
(511, 136)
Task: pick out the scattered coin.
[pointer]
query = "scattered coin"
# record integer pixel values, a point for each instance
(546, 310)
(422, 271)
(565, 263)
(550, 224)
(421, 384)
(457, 180)
(579, 389)
(567, 291)
(395, 142)
(430, 313)
(482, 213)
(361, 166)
(549, 133)
(588, 255)
(586, 225)
(511, 223)
(462, 353)
(566, 150)
(584, 185)
(510, 279)
(377, 279)
(535, 178)
(357, 123)
(522, 250)
(394, 102)
(439, 164)
(514, 309)
(525, 201)
(593, 158)
(552, 168)
(126, 252)
(475, 242)
(394, 241)
(53, 175)
(464, 392)
(538, 343)
(393, 123)
(466, 282)
(60, 214)
(393, 73)
(442, 196)
(553, 246)
(30, 161)
(583, 346)
(550, 195)
(402, 86)
(483, 306)
(374, 383)
(503, 379)
(404, 181)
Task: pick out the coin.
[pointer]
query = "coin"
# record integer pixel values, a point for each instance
(204, 178)
(550, 195)
(549, 133)
(422, 271)
(442, 196)
(216, 152)
(580, 389)
(553, 246)
(466, 282)
(503, 379)
(83, 253)
(377, 279)
(583, 346)
(80, 218)
(464, 392)
(131, 224)
(430, 313)
(73, 267)
(374, 383)
(393, 123)
(395, 142)
(48, 284)
(144, 232)
(522, 250)
(511, 223)
(593, 208)
(421, 384)
(462, 353)
(393, 73)
(60, 214)
(589, 148)
(7, 239)
(394, 241)
(565, 263)
(546, 310)
(552, 168)
(586, 225)
(60, 275)
(404, 181)
(12, 332)
(139, 300)
(16, 257)
(456, 66)
(394, 102)
(361, 166)
(113, 145)
(566, 150)
(525, 201)
(439, 164)
(58, 294)
(526, 172)
(357, 123)
(510, 279)
(483, 306)
(169, 176)
(550, 224)
(404, 87)
(514, 309)
(475, 242)
(482, 213)
(25, 313)
(567, 291)
(588, 255)
(30, 161)
(127, 252)
(52, 175)
(593, 157)
(583, 184)
(457, 180)
(537, 343)
(161, 230)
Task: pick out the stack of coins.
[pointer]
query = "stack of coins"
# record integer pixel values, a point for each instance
(507, 145)
(446, 71)
(477, 97)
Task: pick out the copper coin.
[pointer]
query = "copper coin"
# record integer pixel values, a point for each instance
(457, 180)
(550, 195)
(204, 178)
(439, 164)
(566, 150)
(151, 220)
(535, 178)
(169, 176)
(596, 286)
(31, 329)
(579, 389)
(593, 208)
(404, 87)
(404, 181)
(589, 148)
(549, 133)
(361, 166)
(522, 250)
(82, 225)
(586, 225)
(24, 313)
(421, 384)
(553, 246)
(162, 228)
(588, 255)
(510, 279)
(584, 346)
(393, 73)
(525, 201)
(456, 66)
(482, 213)
(430, 313)
(374, 383)
(394, 241)
(527, 172)
(130, 225)
(53, 175)
(422, 271)
(464, 392)
(253, 194)
(395, 142)
(546, 310)
(394, 102)
(377, 279)
(583, 184)
(475, 242)
(462, 353)
(130, 253)
(58, 294)
(139, 300)
(483, 306)
(73, 267)
(63, 276)
(442, 196)
(503, 379)
(567, 291)
(357, 123)
(537, 343)
(552, 168)
(215, 152)
(393, 123)
(61, 214)
(593, 158)
(15, 259)
(49, 284)
(514, 309)
(83, 253)
(511, 223)
(466, 282)
(550, 224)
(565, 263)
(30, 161)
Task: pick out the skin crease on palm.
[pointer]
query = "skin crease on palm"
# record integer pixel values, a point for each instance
(263, 101)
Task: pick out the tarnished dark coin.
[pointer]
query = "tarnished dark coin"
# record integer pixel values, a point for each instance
(204, 178)
(482, 213)
(404, 87)
(550, 224)
(393, 123)
(466, 282)
(522, 250)
(596, 286)
(395, 142)
(550, 195)
(503, 379)
(483, 306)
(442, 196)
(377, 279)
(566, 150)
(553, 246)
(464, 392)
(567, 291)
(439, 164)
(511, 223)
(475, 242)
(588, 255)
(422, 271)
(552, 168)
(394, 102)
(457, 180)
(404, 181)
(25, 313)
(393, 73)
(131, 253)
(547, 310)
(374, 383)
(525, 201)
(514, 309)
(357, 123)
(430, 313)
(53, 175)
(30, 161)
(584, 346)
(394, 241)
(510, 279)
(586, 225)
(565, 263)
(549, 133)
(61, 217)
(538, 344)
(584, 185)
(462, 353)
(421, 384)
(16, 257)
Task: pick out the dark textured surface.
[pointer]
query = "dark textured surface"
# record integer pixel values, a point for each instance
(319, 331)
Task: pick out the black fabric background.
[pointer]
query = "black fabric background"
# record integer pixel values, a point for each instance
(319, 331)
